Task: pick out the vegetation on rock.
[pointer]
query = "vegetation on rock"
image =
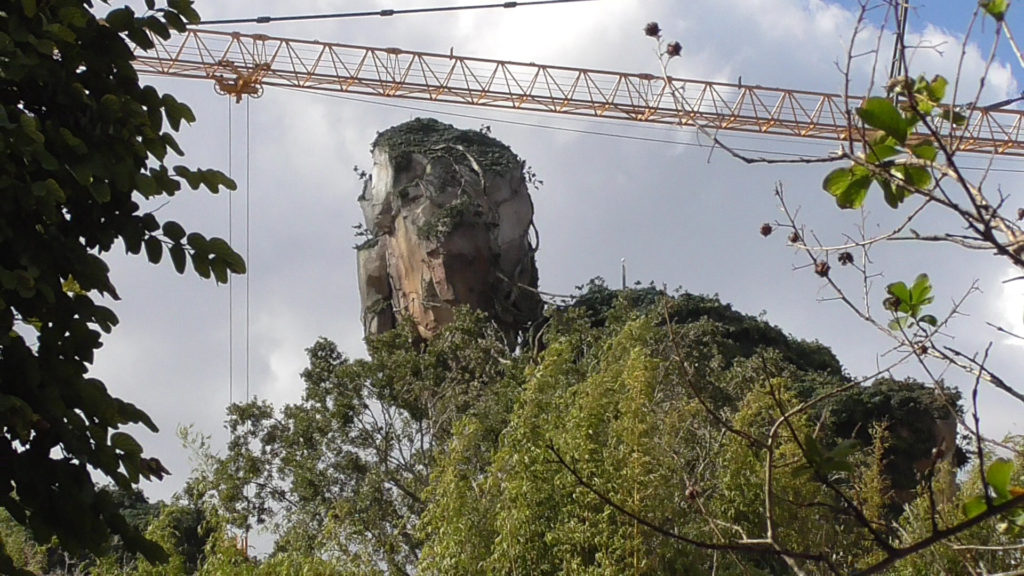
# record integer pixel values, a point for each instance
(431, 137)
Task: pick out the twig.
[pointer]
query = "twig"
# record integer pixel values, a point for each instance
(755, 547)
(944, 534)
(977, 430)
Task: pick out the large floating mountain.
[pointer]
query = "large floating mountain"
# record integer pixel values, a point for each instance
(448, 220)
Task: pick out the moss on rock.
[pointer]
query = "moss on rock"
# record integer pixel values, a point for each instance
(430, 137)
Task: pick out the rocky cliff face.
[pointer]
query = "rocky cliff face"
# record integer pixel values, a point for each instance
(448, 220)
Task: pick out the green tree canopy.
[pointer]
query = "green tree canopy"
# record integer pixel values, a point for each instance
(83, 146)
(442, 457)
(341, 474)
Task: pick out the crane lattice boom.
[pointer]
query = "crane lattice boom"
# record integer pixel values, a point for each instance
(242, 64)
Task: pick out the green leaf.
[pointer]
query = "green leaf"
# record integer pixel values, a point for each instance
(175, 21)
(139, 37)
(30, 126)
(974, 506)
(998, 478)
(914, 176)
(201, 264)
(193, 178)
(925, 151)
(74, 16)
(178, 257)
(164, 181)
(928, 319)
(882, 151)
(849, 186)
(901, 292)
(995, 8)
(214, 179)
(176, 112)
(49, 189)
(219, 246)
(29, 7)
(881, 114)
(920, 292)
(220, 270)
(936, 89)
(173, 231)
(188, 13)
(157, 27)
(171, 143)
(954, 117)
(925, 106)
(145, 184)
(149, 222)
(105, 318)
(197, 242)
(154, 249)
(125, 443)
(100, 191)
(61, 32)
(894, 195)
(812, 450)
(235, 262)
(120, 19)
(899, 323)
(73, 142)
(845, 449)
(132, 238)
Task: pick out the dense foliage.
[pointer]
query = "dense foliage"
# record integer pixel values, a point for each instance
(342, 473)
(633, 439)
(637, 393)
(443, 457)
(83, 145)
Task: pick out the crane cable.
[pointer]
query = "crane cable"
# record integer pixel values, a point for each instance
(442, 109)
(384, 13)
(231, 241)
(248, 253)
(242, 540)
(231, 289)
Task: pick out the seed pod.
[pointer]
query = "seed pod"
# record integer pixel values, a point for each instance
(652, 29)
(794, 238)
(845, 258)
(821, 268)
(674, 49)
(766, 229)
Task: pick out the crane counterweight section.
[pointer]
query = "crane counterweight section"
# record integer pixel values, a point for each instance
(242, 65)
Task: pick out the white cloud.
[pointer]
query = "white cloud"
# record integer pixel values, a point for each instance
(1009, 306)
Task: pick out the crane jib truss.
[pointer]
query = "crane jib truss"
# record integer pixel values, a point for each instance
(242, 64)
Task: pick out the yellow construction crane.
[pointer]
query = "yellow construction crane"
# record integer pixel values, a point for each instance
(242, 64)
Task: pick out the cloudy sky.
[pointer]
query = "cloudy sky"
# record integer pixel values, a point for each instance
(678, 212)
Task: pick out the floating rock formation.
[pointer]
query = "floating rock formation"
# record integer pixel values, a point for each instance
(448, 220)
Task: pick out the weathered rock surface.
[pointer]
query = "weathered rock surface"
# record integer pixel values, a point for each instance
(448, 217)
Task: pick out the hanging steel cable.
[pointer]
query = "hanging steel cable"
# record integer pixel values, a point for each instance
(384, 13)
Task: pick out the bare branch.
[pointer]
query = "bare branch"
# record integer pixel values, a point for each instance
(755, 547)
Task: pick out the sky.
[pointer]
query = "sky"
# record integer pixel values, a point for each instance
(679, 213)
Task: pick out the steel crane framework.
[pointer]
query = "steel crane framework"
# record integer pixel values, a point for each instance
(243, 64)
